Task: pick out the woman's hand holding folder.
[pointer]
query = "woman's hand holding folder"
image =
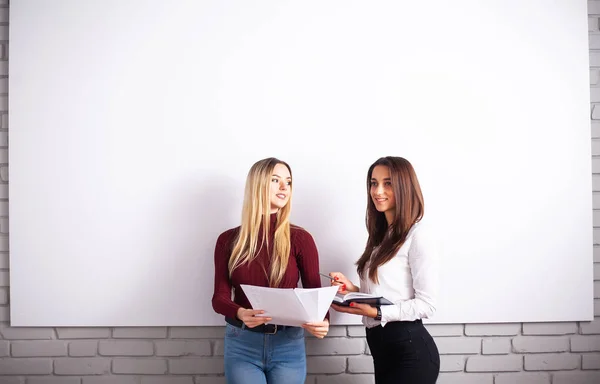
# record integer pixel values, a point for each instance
(346, 286)
(357, 309)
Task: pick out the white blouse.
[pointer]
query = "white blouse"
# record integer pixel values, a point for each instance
(409, 280)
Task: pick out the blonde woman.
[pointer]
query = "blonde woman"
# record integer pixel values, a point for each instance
(265, 250)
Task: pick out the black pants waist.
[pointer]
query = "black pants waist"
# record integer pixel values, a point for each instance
(415, 324)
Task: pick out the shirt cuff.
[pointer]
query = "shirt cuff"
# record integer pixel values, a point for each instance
(390, 313)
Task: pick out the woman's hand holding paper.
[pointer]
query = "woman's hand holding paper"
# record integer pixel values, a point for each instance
(248, 316)
(318, 329)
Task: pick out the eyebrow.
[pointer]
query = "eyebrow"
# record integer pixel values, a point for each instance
(384, 179)
(289, 178)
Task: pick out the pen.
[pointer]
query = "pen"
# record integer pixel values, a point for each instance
(327, 276)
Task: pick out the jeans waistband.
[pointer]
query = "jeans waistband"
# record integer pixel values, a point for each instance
(270, 329)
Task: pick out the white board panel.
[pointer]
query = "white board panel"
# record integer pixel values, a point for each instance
(134, 123)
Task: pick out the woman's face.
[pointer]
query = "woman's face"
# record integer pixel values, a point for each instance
(281, 187)
(382, 192)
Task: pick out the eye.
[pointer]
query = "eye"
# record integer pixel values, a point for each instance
(274, 180)
(373, 183)
(289, 183)
(388, 183)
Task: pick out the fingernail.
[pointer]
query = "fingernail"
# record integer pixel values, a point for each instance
(352, 304)
(336, 278)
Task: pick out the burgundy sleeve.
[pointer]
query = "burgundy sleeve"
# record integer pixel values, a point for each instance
(221, 300)
(308, 262)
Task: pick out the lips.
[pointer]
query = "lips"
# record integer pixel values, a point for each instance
(281, 196)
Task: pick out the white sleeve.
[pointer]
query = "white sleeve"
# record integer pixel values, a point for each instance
(423, 261)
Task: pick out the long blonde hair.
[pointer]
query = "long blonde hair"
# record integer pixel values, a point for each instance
(256, 211)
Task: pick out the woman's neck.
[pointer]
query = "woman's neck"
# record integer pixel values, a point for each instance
(389, 217)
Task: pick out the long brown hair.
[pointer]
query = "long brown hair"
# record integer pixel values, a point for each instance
(384, 241)
(256, 211)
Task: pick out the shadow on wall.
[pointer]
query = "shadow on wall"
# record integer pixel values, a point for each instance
(173, 284)
(179, 272)
(314, 214)
(336, 253)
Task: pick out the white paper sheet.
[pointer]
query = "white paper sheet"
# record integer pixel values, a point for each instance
(291, 306)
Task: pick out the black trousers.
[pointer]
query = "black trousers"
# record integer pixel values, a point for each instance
(403, 353)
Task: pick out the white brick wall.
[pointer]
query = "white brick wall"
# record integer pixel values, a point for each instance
(532, 353)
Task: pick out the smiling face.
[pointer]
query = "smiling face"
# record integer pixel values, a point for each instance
(382, 193)
(280, 187)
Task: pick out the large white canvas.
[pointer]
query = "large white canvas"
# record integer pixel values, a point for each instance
(133, 125)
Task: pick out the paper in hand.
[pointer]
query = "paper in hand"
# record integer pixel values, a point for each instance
(291, 306)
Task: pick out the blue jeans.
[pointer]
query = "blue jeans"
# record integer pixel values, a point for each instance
(258, 358)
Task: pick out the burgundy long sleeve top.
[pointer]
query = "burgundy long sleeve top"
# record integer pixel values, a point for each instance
(303, 264)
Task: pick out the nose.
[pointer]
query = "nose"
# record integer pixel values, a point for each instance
(283, 185)
(379, 190)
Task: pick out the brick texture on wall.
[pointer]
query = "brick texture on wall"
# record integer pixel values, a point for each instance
(545, 353)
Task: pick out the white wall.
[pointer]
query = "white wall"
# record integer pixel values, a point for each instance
(528, 353)
(134, 124)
